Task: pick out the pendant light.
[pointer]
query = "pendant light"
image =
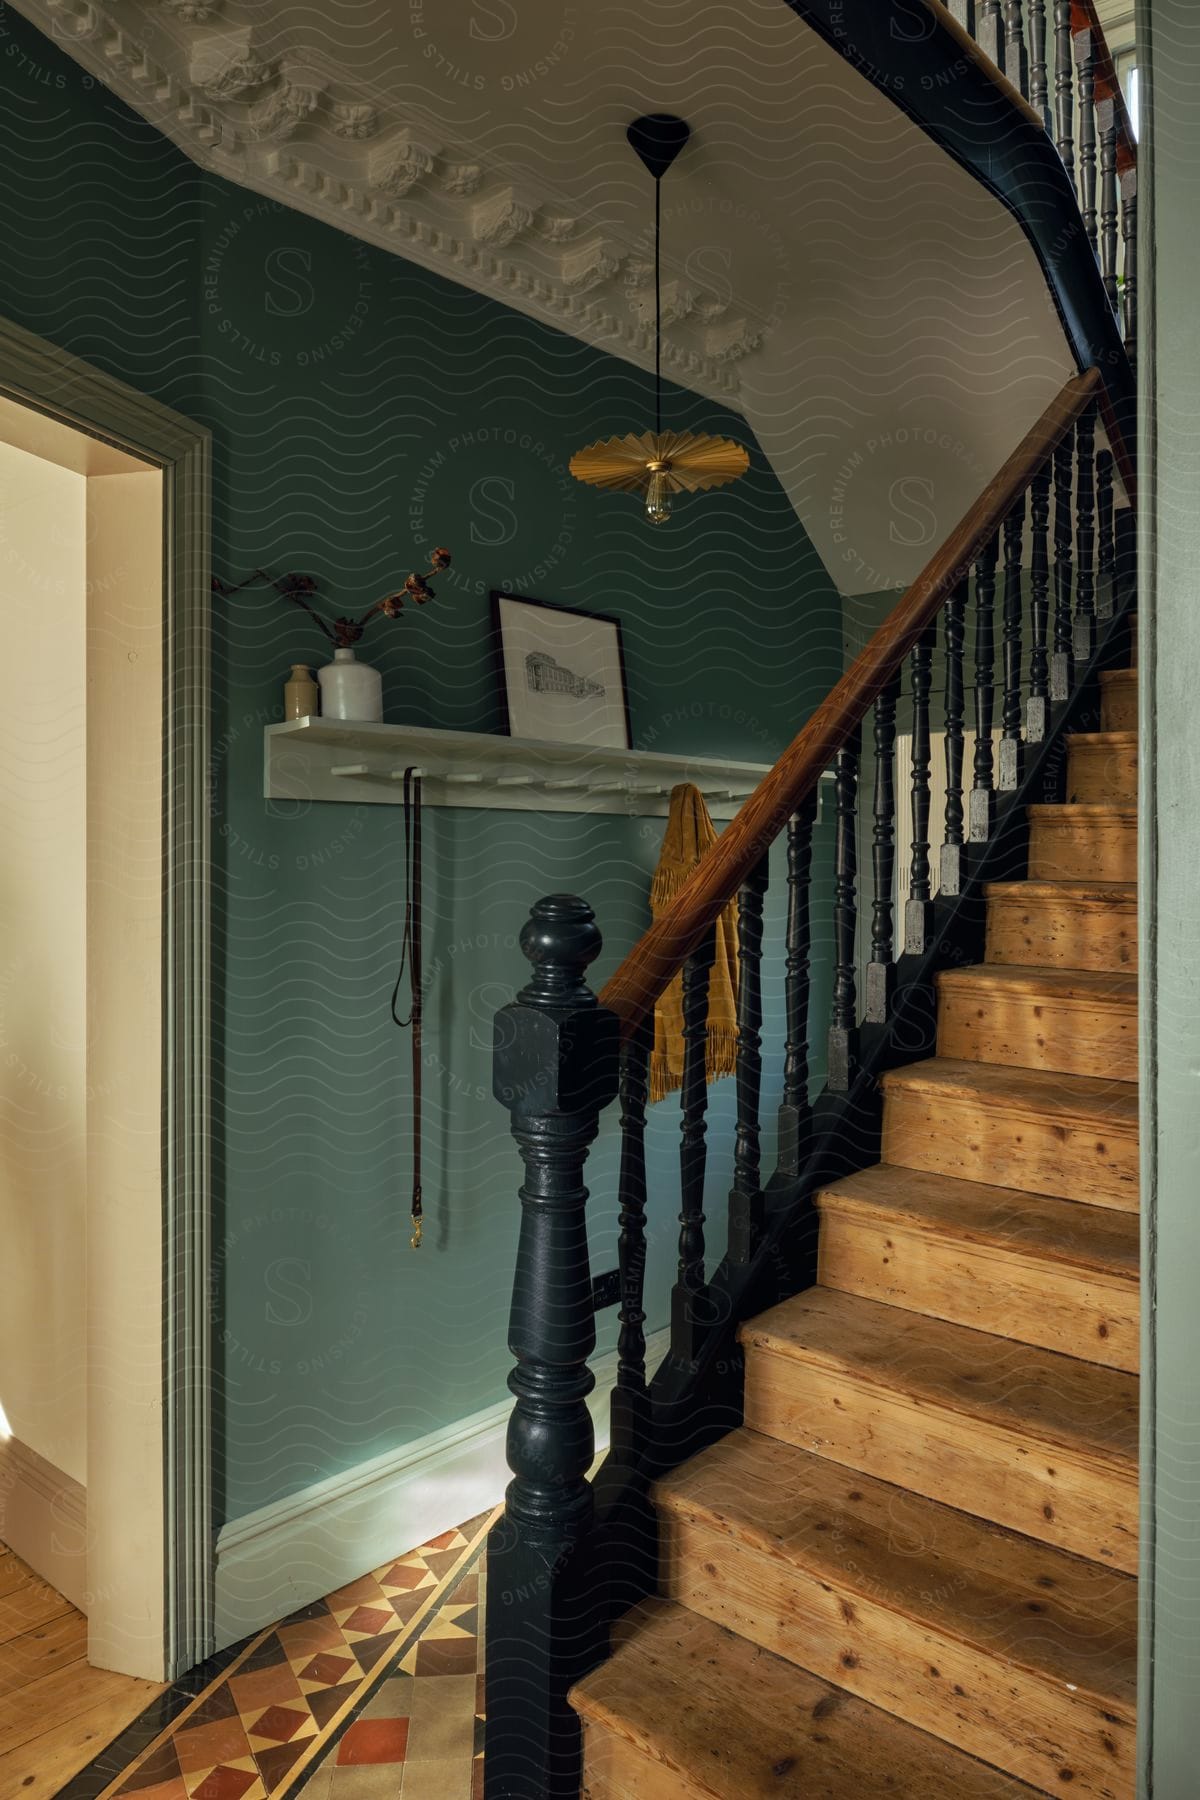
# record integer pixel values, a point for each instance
(658, 463)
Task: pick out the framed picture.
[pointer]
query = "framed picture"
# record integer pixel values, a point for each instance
(562, 673)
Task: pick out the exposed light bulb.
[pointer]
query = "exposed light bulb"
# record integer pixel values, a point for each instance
(658, 494)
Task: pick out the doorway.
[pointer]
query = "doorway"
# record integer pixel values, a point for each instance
(104, 1193)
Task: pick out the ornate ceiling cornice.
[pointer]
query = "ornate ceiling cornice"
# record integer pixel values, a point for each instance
(288, 128)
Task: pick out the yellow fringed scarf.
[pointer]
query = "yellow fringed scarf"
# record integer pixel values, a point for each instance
(688, 838)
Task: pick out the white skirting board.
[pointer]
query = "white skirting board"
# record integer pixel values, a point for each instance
(281, 1557)
(43, 1519)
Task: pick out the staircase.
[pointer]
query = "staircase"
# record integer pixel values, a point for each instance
(870, 1528)
(911, 1571)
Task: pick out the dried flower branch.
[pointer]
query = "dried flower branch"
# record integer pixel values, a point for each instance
(344, 631)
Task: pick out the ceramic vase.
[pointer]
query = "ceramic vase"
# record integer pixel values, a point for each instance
(301, 695)
(350, 689)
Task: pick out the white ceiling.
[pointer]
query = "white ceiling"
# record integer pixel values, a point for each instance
(874, 313)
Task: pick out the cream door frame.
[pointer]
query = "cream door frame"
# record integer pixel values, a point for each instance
(178, 1462)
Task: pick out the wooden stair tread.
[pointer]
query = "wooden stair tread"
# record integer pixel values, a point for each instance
(1089, 985)
(732, 1722)
(1107, 893)
(1095, 1238)
(1069, 812)
(1026, 1602)
(1040, 1395)
(1114, 677)
(1047, 1093)
(1115, 740)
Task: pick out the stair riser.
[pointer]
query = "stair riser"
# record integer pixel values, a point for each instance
(596, 1789)
(1099, 775)
(1119, 706)
(1038, 1032)
(1051, 933)
(1046, 1303)
(615, 1769)
(988, 1707)
(1043, 1490)
(1074, 849)
(1006, 1148)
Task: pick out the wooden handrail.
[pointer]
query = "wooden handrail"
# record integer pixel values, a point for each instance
(655, 959)
(1084, 17)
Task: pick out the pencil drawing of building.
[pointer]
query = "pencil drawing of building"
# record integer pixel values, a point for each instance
(545, 676)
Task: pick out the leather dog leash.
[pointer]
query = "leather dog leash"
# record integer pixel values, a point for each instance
(410, 965)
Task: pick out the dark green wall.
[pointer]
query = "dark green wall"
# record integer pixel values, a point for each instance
(362, 411)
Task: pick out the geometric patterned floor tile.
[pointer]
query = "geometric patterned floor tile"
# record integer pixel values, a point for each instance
(373, 1691)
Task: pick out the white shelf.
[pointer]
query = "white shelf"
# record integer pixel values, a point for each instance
(324, 759)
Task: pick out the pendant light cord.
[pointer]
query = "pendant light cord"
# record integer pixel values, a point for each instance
(657, 306)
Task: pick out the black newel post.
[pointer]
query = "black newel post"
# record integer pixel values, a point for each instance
(556, 1064)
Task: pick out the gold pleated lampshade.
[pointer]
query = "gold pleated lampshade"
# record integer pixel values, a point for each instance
(688, 460)
(659, 464)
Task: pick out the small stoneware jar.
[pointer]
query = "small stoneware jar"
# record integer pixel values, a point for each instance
(301, 695)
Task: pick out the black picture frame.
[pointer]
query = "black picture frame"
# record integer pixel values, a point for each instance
(504, 672)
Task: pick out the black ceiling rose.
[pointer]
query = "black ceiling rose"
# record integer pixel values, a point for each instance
(658, 138)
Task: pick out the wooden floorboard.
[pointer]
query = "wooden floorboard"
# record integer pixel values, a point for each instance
(56, 1711)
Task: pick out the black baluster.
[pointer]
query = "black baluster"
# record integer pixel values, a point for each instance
(843, 1030)
(1036, 720)
(1011, 748)
(1126, 554)
(1129, 257)
(989, 30)
(918, 911)
(1106, 122)
(746, 1198)
(630, 1400)
(1039, 90)
(1084, 636)
(795, 1112)
(1061, 671)
(1106, 588)
(689, 1293)
(881, 969)
(953, 854)
(1064, 87)
(1085, 64)
(983, 798)
(555, 1069)
(1016, 57)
